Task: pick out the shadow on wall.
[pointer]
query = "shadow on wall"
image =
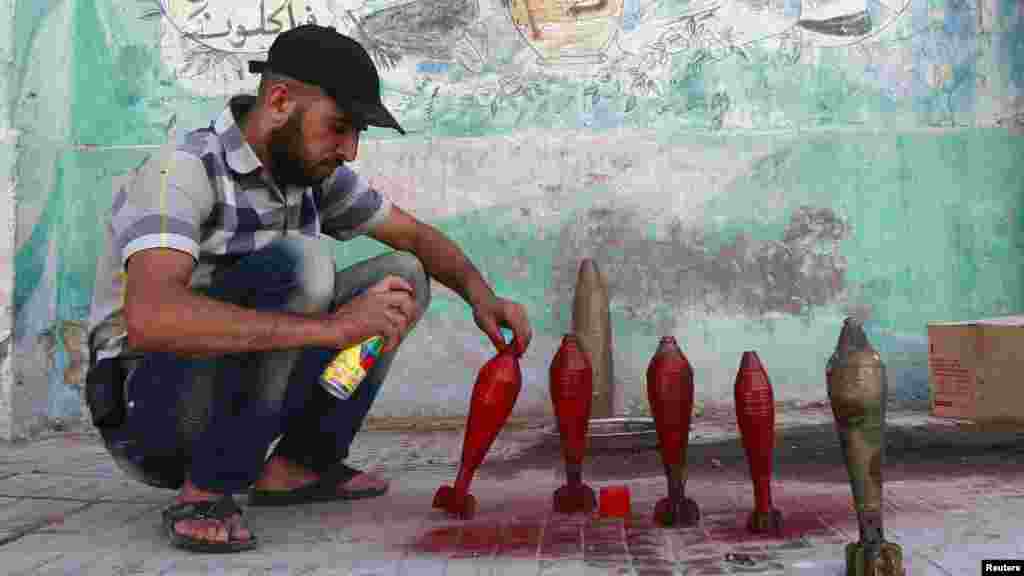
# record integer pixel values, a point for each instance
(720, 272)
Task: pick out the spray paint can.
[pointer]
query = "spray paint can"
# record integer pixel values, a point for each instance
(347, 370)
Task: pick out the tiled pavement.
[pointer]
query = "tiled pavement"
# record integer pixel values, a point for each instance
(953, 497)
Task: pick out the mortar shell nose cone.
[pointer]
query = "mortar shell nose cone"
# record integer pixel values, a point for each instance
(667, 344)
(750, 361)
(852, 337)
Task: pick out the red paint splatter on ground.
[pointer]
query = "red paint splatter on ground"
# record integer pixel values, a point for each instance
(520, 539)
(650, 555)
(713, 497)
(795, 525)
(641, 525)
(810, 487)
(481, 539)
(478, 538)
(605, 542)
(702, 551)
(652, 538)
(906, 502)
(561, 540)
(656, 542)
(54, 520)
(691, 544)
(438, 540)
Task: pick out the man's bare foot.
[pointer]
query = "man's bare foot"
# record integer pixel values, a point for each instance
(282, 475)
(209, 530)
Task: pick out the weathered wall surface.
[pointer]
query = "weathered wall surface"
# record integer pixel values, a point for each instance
(745, 173)
(40, 102)
(7, 148)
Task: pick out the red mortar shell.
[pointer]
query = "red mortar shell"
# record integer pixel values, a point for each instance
(755, 415)
(571, 386)
(494, 394)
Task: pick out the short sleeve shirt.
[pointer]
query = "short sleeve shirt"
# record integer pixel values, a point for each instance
(210, 197)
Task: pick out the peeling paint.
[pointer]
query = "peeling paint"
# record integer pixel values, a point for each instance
(73, 339)
(46, 342)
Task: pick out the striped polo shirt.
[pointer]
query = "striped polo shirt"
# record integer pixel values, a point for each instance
(209, 197)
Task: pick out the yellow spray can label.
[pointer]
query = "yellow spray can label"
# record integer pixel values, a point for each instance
(344, 374)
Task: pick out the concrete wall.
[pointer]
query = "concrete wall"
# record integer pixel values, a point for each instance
(743, 178)
(8, 140)
(40, 105)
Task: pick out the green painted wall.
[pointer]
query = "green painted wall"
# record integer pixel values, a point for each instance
(8, 142)
(741, 191)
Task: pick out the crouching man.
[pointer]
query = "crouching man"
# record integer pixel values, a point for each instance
(218, 304)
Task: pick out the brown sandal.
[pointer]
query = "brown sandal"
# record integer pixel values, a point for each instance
(323, 490)
(219, 510)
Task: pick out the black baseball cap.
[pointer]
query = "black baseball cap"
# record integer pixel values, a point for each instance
(340, 66)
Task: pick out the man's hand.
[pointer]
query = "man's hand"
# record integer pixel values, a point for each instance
(387, 309)
(500, 313)
(444, 261)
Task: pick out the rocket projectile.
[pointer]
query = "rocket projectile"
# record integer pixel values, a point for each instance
(591, 322)
(670, 393)
(494, 395)
(571, 389)
(755, 414)
(857, 391)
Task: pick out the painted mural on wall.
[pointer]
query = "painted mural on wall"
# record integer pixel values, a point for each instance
(470, 67)
(750, 228)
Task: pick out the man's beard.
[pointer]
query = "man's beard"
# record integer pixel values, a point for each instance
(288, 166)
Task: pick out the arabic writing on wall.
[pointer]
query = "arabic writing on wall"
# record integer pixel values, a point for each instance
(464, 66)
(208, 43)
(240, 27)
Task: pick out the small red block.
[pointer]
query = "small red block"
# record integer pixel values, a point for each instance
(614, 501)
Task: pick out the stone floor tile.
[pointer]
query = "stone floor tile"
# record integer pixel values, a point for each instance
(377, 567)
(514, 567)
(464, 567)
(562, 567)
(29, 514)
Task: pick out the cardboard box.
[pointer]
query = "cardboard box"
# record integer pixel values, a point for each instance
(975, 369)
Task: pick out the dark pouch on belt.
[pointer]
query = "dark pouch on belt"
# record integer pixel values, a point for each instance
(104, 393)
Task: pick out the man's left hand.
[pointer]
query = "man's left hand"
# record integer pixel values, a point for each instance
(500, 313)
